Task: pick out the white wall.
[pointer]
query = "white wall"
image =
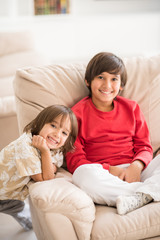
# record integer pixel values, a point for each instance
(125, 27)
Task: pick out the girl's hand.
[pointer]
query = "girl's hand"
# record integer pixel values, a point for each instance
(133, 172)
(40, 143)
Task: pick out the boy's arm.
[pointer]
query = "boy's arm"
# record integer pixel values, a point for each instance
(143, 152)
(142, 147)
(77, 157)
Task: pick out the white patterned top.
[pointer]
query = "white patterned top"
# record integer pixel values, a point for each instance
(18, 161)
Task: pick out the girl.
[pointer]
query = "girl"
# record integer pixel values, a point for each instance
(36, 155)
(112, 157)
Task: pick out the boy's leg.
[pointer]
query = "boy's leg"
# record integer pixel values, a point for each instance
(100, 185)
(19, 210)
(127, 204)
(148, 191)
(152, 169)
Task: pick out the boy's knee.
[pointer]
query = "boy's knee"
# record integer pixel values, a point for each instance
(86, 175)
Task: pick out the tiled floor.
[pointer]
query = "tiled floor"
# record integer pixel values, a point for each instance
(11, 230)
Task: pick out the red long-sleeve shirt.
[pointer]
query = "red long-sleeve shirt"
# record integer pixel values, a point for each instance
(110, 138)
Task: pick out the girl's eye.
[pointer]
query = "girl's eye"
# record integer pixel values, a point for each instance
(53, 125)
(100, 77)
(64, 133)
(114, 79)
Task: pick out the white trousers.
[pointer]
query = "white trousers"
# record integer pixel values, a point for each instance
(104, 188)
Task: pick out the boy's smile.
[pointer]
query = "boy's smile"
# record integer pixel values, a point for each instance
(105, 87)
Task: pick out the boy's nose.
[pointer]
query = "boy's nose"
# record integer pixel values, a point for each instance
(107, 83)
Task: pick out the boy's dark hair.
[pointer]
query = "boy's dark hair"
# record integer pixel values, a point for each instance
(105, 62)
(47, 115)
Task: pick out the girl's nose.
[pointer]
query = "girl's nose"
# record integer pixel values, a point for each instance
(57, 133)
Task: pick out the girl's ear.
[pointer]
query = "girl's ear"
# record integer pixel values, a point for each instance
(121, 88)
(86, 83)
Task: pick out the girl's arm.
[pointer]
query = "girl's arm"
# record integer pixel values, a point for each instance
(48, 168)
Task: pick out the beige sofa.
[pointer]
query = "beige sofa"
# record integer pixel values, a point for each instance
(16, 50)
(60, 210)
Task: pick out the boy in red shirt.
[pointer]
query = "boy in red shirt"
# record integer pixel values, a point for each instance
(112, 157)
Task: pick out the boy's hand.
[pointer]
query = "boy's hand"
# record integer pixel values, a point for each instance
(133, 172)
(130, 174)
(116, 171)
(40, 143)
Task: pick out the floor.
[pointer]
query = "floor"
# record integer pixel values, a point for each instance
(11, 230)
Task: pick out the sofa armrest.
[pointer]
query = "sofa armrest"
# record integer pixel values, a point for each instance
(62, 197)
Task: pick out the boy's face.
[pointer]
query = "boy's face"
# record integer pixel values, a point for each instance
(56, 132)
(105, 87)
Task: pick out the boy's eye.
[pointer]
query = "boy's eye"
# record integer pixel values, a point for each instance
(54, 126)
(100, 77)
(114, 79)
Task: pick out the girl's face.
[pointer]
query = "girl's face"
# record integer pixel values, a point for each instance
(56, 132)
(105, 87)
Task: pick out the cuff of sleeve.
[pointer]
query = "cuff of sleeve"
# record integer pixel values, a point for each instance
(106, 166)
(145, 157)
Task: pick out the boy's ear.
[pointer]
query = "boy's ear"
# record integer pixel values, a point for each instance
(121, 88)
(86, 83)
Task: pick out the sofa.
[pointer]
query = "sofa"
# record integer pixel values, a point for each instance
(60, 210)
(16, 50)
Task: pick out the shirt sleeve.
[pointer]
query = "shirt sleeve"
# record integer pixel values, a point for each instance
(142, 146)
(28, 165)
(27, 157)
(77, 157)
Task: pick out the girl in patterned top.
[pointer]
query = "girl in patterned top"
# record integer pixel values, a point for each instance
(35, 155)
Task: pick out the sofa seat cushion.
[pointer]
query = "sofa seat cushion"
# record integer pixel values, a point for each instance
(139, 224)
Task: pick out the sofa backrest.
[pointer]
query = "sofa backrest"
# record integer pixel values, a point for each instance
(39, 87)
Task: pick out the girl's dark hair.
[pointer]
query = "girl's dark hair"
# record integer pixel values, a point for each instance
(105, 62)
(47, 115)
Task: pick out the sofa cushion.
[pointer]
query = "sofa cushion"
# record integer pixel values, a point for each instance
(139, 224)
(38, 87)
